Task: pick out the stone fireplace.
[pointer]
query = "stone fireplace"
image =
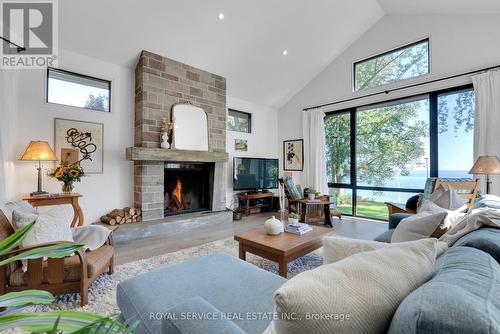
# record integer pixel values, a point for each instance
(170, 182)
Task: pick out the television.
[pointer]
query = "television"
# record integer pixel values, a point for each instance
(255, 173)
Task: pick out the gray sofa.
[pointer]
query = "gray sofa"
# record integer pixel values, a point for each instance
(463, 295)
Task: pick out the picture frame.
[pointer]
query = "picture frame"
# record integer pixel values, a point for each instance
(80, 141)
(293, 155)
(240, 145)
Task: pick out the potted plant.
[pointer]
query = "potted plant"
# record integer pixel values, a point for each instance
(310, 193)
(293, 218)
(237, 211)
(67, 174)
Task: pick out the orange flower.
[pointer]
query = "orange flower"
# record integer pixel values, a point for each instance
(74, 173)
(58, 173)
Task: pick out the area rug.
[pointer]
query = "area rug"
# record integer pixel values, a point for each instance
(102, 293)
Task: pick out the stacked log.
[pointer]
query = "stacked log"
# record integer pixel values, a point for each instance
(122, 216)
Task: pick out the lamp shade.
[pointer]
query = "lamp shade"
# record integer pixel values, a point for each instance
(486, 164)
(38, 151)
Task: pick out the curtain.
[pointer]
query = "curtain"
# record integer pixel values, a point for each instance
(487, 121)
(314, 150)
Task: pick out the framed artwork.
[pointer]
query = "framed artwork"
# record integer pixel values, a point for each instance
(240, 145)
(80, 142)
(293, 155)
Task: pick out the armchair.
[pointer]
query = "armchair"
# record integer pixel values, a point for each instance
(58, 276)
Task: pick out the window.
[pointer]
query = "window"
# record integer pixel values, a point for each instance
(406, 62)
(77, 90)
(385, 152)
(239, 121)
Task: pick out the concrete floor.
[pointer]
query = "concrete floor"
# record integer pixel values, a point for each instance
(350, 227)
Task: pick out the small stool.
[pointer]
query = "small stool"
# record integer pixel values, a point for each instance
(336, 213)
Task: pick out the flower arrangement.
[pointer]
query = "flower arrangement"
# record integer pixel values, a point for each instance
(67, 174)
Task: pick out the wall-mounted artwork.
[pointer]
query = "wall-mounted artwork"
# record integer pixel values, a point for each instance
(80, 142)
(293, 155)
(240, 145)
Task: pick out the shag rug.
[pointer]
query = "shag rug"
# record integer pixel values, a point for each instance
(102, 293)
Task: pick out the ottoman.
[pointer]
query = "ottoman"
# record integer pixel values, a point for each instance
(227, 284)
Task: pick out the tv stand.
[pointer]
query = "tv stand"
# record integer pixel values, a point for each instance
(255, 202)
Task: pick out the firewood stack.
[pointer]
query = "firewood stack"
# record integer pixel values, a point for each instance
(122, 216)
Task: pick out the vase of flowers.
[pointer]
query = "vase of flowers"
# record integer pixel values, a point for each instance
(67, 174)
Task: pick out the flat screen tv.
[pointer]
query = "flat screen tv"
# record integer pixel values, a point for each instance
(255, 173)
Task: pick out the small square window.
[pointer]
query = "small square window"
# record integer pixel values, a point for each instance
(239, 121)
(407, 62)
(77, 90)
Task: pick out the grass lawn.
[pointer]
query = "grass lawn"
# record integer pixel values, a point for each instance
(367, 209)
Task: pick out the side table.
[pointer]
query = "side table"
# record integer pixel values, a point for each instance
(58, 199)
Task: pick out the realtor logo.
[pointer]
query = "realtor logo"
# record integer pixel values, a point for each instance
(29, 34)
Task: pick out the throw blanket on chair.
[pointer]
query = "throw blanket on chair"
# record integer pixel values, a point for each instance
(472, 221)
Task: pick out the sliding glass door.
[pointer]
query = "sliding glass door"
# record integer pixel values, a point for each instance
(385, 152)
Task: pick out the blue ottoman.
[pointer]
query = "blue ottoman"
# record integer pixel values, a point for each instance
(230, 285)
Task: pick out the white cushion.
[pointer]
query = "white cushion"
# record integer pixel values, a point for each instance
(338, 248)
(419, 227)
(52, 225)
(364, 290)
(20, 206)
(447, 199)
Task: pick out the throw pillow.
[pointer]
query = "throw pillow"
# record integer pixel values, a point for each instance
(447, 199)
(356, 295)
(52, 225)
(338, 248)
(20, 206)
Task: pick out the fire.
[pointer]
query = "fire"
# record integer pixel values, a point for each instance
(177, 193)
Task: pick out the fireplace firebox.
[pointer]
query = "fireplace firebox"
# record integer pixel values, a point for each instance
(187, 187)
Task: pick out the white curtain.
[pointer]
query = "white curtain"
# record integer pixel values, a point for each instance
(314, 150)
(487, 120)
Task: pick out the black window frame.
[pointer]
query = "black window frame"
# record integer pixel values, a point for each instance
(406, 46)
(433, 144)
(229, 110)
(108, 82)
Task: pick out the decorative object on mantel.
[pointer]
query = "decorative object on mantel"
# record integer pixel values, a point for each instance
(240, 145)
(38, 151)
(67, 174)
(166, 133)
(122, 216)
(273, 226)
(82, 141)
(190, 127)
(488, 165)
(293, 155)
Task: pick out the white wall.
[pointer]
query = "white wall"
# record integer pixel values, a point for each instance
(458, 44)
(262, 142)
(33, 119)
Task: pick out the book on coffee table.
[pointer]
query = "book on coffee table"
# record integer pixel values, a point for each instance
(298, 228)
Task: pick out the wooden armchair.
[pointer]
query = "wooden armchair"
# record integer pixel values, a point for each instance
(58, 276)
(467, 190)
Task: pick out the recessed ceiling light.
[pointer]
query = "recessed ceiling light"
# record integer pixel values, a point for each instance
(220, 16)
(285, 52)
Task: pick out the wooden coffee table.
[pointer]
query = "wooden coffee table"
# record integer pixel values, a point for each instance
(281, 248)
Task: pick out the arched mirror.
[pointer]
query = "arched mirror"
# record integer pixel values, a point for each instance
(190, 127)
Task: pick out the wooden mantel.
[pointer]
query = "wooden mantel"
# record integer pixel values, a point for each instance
(160, 154)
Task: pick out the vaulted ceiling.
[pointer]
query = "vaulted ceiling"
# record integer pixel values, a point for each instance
(246, 46)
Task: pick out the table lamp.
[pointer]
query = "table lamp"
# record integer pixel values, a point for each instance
(38, 151)
(487, 165)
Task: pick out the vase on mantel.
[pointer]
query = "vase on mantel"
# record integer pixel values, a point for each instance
(67, 187)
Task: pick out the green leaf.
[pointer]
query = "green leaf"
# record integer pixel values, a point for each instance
(25, 298)
(69, 321)
(53, 251)
(14, 239)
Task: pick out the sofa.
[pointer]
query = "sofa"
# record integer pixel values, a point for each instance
(462, 296)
